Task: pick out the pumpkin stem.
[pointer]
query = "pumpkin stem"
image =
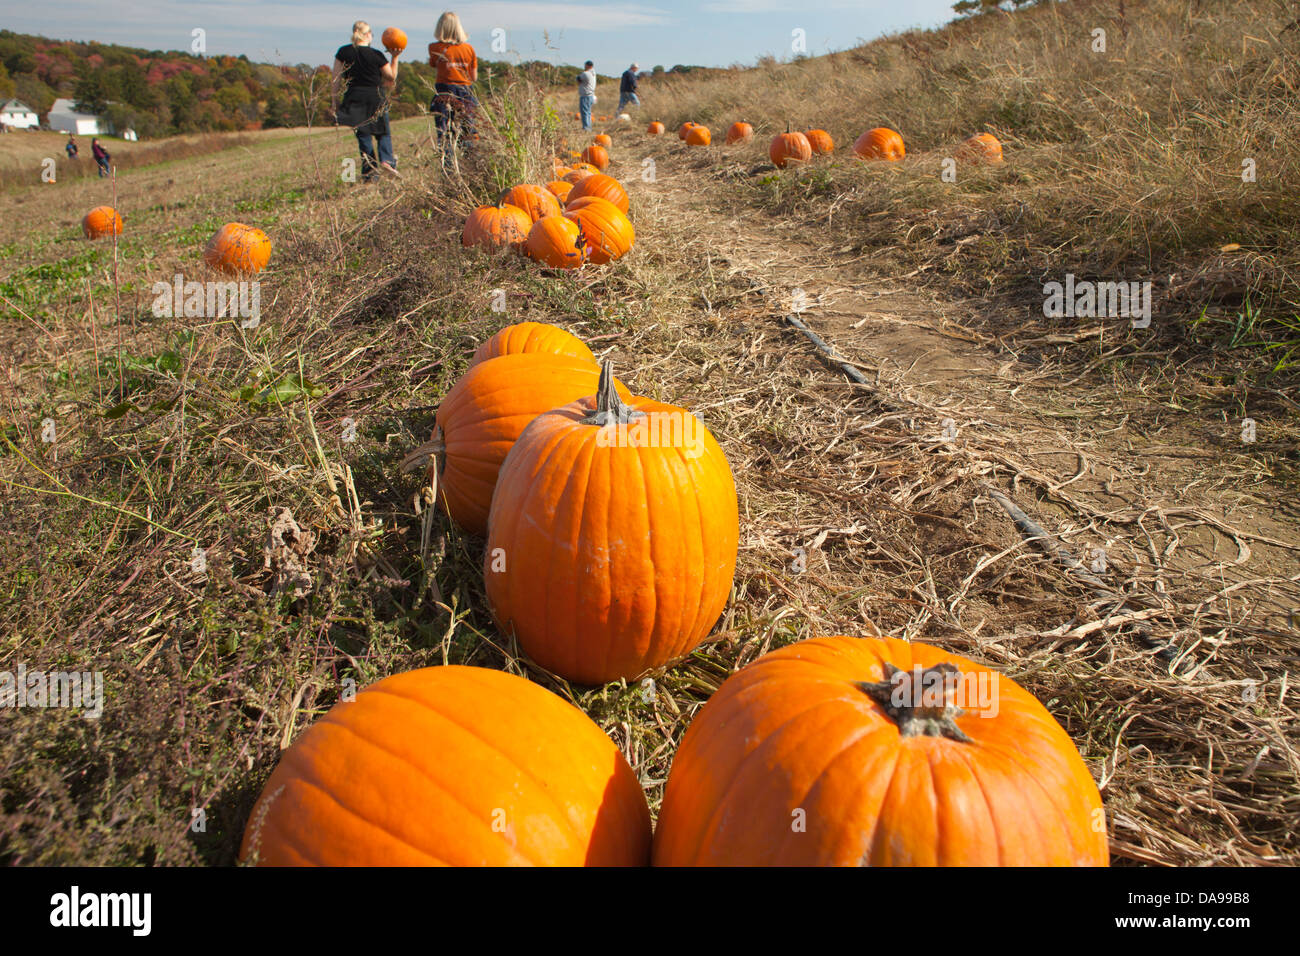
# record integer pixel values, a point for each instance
(920, 702)
(610, 408)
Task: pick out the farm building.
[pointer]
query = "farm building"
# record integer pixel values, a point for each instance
(65, 118)
(18, 115)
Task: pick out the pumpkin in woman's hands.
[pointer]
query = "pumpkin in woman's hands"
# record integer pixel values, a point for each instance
(537, 201)
(880, 143)
(820, 141)
(614, 531)
(557, 242)
(526, 337)
(394, 40)
(884, 753)
(496, 226)
(608, 233)
(606, 187)
(596, 156)
(238, 249)
(789, 148)
(100, 222)
(455, 765)
(981, 148)
(483, 414)
(739, 133)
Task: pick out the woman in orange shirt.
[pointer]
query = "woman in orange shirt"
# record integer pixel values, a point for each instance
(457, 67)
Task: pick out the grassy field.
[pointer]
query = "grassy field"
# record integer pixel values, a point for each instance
(174, 438)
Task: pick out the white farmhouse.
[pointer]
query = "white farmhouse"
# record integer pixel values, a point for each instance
(65, 118)
(18, 115)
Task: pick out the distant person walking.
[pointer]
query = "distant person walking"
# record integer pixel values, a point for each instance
(101, 158)
(454, 104)
(363, 70)
(71, 147)
(586, 93)
(627, 89)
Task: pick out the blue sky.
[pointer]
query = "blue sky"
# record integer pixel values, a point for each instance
(704, 32)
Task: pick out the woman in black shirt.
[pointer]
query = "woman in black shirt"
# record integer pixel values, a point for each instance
(364, 70)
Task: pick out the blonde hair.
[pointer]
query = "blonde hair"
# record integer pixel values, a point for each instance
(361, 32)
(449, 29)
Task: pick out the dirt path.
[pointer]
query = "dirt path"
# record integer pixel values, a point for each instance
(1164, 653)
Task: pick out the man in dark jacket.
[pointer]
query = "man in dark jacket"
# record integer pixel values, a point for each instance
(627, 89)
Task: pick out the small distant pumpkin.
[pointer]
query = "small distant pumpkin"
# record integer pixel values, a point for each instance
(981, 148)
(608, 233)
(684, 129)
(529, 337)
(603, 139)
(537, 201)
(495, 226)
(557, 242)
(655, 128)
(698, 136)
(789, 148)
(880, 143)
(577, 174)
(238, 249)
(739, 133)
(606, 187)
(820, 141)
(102, 221)
(394, 40)
(597, 156)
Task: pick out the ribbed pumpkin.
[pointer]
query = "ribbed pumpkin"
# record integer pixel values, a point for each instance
(394, 40)
(608, 232)
(238, 249)
(496, 226)
(100, 222)
(820, 141)
(851, 751)
(739, 133)
(556, 242)
(461, 766)
(603, 139)
(981, 148)
(537, 201)
(560, 189)
(527, 337)
(483, 414)
(685, 128)
(789, 148)
(611, 547)
(606, 187)
(655, 128)
(698, 136)
(596, 156)
(880, 143)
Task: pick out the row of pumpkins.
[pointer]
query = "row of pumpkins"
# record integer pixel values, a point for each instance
(607, 556)
(235, 249)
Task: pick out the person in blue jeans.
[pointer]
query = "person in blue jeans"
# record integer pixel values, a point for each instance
(627, 89)
(454, 103)
(364, 108)
(586, 93)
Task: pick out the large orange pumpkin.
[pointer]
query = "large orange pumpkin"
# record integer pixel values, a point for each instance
(614, 533)
(557, 242)
(981, 148)
(820, 141)
(100, 222)
(495, 226)
(483, 414)
(606, 187)
(238, 249)
(608, 232)
(537, 201)
(698, 135)
(655, 128)
(454, 765)
(603, 139)
(877, 752)
(394, 40)
(739, 133)
(880, 143)
(596, 156)
(789, 148)
(525, 337)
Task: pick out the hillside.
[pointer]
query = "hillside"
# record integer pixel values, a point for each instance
(1072, 502)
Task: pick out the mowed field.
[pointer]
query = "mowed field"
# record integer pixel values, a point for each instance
(864, 508)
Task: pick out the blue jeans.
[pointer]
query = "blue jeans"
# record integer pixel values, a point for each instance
(369, 165)
(625, 98)
(584, 107)
(453, 109)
